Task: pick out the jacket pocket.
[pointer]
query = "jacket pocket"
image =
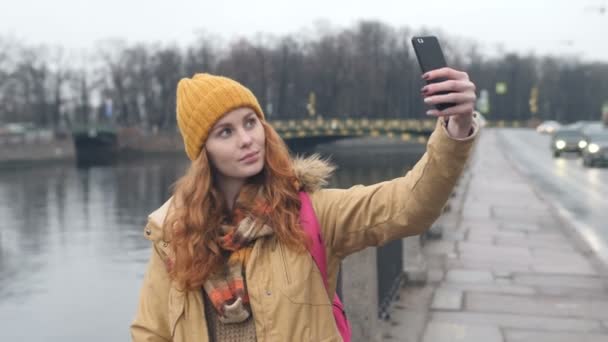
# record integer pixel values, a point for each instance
(297, 277)
(176, 308)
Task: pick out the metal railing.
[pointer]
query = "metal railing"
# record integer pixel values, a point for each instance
(390, 275)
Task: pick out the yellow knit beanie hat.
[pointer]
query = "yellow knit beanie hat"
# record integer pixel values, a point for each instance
(204, 99)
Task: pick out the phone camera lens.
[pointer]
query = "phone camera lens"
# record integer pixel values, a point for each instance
(420, 40)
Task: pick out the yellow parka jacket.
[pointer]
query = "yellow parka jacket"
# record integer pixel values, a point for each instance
(288, 299)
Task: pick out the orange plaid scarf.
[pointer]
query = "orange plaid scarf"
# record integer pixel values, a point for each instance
(226, 288)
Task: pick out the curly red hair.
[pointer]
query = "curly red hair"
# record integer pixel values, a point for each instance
(195, 221)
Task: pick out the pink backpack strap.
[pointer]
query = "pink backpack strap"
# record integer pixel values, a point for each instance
(310, 224)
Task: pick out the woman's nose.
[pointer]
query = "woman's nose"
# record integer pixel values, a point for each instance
(244, 138)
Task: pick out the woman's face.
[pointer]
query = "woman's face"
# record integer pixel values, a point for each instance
(236, 144)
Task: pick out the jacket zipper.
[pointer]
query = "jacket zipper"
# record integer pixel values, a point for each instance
(284, 263)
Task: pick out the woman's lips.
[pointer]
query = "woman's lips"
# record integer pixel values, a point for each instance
(250, 158)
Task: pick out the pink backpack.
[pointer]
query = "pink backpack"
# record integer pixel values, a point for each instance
(309, 222)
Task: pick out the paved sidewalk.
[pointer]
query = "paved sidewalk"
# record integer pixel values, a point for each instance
(510, 271)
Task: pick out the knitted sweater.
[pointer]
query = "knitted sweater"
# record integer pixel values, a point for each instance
(220, 332)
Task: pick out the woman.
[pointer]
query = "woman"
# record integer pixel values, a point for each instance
(230, 259)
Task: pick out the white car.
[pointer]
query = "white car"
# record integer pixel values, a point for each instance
(548, 127)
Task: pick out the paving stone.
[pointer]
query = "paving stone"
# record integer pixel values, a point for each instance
(560, 280)
(571, 268)
(435, 275)
(502, 195)
(480, 224)
(492, 250)
(481, 232)
(455, 332)
(491, 288)
(452, 255)
(556, 248)
(435, 262)
(475, 210)
(506, 234)
(572, 292)
(404, 326)
(457, 235)
(570, 256)
(469, 215)
(490, 264)
(480, 238)
(469, 276)
(537, 305)
(440, 247)
(519, 321)
(447, 299)
(475, 205)
(550, 224)
(518, 214)
(415, 297)
(525, 227)
(498, 259)
(502, 274)
(533, 244)
(503, 281)
(565, 260)
(495, 232)
(547, 236)
(537, 336)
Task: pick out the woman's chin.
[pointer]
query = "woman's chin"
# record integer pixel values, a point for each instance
(249, 171)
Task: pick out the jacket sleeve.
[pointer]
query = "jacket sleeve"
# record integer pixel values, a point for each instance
(363, 216)
(151, 320)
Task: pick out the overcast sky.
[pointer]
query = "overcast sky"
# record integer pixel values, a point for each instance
(556, 27)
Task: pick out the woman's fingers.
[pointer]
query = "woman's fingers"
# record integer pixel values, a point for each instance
(448, 73)
(448, 86)
(466, 97)
(460, 109)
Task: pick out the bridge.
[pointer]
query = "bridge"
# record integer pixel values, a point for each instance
(318, 130)
(322, 130)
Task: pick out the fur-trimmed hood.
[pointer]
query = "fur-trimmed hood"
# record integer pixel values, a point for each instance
(312, 172)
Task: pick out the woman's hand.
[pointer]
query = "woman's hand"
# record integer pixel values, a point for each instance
(461, 94)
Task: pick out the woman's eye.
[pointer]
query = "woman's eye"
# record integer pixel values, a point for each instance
(225, 132)
(250, 123)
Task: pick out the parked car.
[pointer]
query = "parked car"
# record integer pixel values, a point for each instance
(597, 149)
(548, 127)
(568, 140)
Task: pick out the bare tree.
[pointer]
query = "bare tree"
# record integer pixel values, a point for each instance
(367, 70)
(331, 66)
(167, 70)
(204, 55)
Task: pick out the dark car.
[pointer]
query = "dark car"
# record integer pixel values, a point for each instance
(597, 149)
(568, 140)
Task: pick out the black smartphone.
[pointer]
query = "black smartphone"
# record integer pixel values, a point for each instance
(430, 57)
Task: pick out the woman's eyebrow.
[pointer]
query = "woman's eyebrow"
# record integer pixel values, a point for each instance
(228, 124)
(222, 125)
